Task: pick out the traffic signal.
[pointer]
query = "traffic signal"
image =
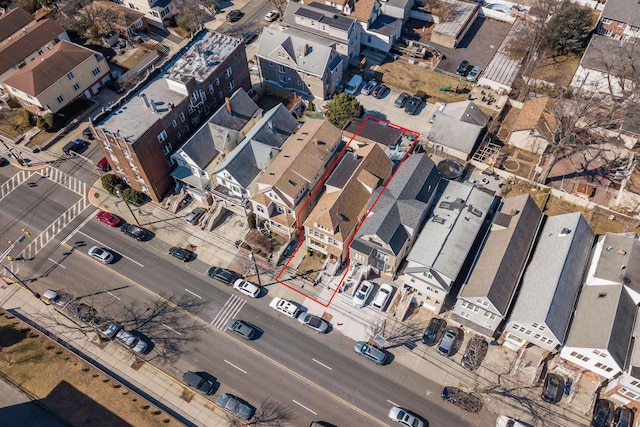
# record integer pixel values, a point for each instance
(26, 233)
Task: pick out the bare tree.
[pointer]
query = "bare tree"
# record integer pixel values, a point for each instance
(192, 14)
(280, 5)
(395, 333)
(272, 414)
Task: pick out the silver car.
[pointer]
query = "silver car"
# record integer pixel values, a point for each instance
(242, 328)
(132, 341)
(314, 322)
(375, 355)
(448, 341)
(100, 254)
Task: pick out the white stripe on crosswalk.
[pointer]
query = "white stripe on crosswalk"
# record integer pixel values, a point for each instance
(229, 310)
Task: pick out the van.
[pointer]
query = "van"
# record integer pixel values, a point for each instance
(473, 74)
(74, 147)
(354, 84)
(382, 296)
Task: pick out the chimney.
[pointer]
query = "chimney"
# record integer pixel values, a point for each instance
(153, 106)
(270, 124)
(227, 102)
(145, 100)
(306, 49)
(315, 141)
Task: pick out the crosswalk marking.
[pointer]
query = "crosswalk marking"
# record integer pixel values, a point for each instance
(67, 181)
(229, 310)
(13, 183)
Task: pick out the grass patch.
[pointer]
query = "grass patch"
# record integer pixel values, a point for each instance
(558, 70)
(65, 385)
(12, 124)
(133, 59)
(404, 77)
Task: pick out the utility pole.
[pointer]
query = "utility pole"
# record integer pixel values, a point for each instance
(16, 155)
(119, 190)
(5, 255)
(255, 265)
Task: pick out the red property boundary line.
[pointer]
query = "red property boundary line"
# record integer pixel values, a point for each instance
(320, 185)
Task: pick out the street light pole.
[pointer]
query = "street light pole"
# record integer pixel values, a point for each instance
(255, 265)
(17, 155)
(127, 203)
(5, 255)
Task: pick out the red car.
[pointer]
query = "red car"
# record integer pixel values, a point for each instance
(109, 219)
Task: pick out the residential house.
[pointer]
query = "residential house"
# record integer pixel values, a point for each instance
(298, 64)
(542, 312)
(625, 388)
(486, 297)
(391, 225)
(60, 76)
(129, 21)
(397, 9)
(458, 130)
(326, 25)
(13, 23)
(237, 173)
(360, 132)
(608, 66)
(535, 126)
(448, 240)
(288, 189)
(449, 32)
(138, 137)
(25, 46)
(197, 158)
(331, 225)
(501, 71)
(155, 11)
(620, 19)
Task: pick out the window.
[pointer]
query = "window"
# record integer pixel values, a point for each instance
(190, 109)
(182, 117)
(211, 89)
(528, 332)
(228, 72)
(96, 71)
(620, 24)
(282, 79)
(179, 136)
(537, 336)
(76, 86)
(230, 85)
(259, 208)
(606, 21)
(162, 136)
(174, 123)
(217, 82)
(60, 99)
(166, 149)
(281, 69)
(171, 161)
(70, 75)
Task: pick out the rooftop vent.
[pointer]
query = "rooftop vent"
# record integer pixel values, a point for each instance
(602, 295)
(438, 219)
(621, 252)
(622, 267)
(609, 248)
(446, 205)
(475, 211)
(565, 231)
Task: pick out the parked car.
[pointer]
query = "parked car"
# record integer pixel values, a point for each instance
(57, 298)
(286, 307)
(115, 86)
(235, 406)
(249, 37)
(602, 413)
(623, 417)
(272, 15)
(75, 147)
(247, 288)
(552, 389)
(462, 68)
(379, 91)
(466, 401)
(226, 276)
(406, 417)
(104, 165)
(199, 382)
(473, 74)
(86, 133)
(354, 84)
(134, 231)
(108, 218)
(448, 341)
(434, 330)
(412, 105)
(182, 254)
(401, 100)
(81, 311)
(377, 356)
(194, 216)
(362, 293)
(314, 322)
(369, 87)
(242, 328)
(504, 421)
(234, 15)
(107, 328)
(474, 355)
(382, 297)
(100, 254)
(132, 341)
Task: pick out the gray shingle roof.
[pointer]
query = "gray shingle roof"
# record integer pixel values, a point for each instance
(455, 134)
(607, 55)
(201, 147)
(243, 109)
(617, 261)
(622, 11)
(467, 112)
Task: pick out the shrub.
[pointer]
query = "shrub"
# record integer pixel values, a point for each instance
(309, 252)
(133, 196)
(41, 124)
(311, 107)
(26, 118)
(111, 182)
(251, 221)
(50, 120)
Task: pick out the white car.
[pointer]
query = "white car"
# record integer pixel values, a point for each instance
(405, 417)
(362, 294)
(286, 307)
(382, 297)
(504, 421)
(247, 288)
(272, 15)
(100, 254)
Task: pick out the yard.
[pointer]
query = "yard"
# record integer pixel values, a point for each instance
(558, 70)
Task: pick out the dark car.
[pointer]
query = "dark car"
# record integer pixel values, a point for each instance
(181, 253)
(226, 276)
(87, 134)
(3, 161)
(379, 91)
(433, 333)
(475, 353)
(234, 15)
(623, 417)
(462, 68)
(199, 382)
(401, 100)
(134, 231)
(115, 86)
(412, 105)
(553, 388)
(466, 401)
(602, 413)
(75, 146)
(249, 37)
(242, 328)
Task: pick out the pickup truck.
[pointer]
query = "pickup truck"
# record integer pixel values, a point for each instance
(286, 307)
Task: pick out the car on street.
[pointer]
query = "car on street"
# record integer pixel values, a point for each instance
(466, 401)
(134, 231)
(199, 382)
(132, 341)
(623, 417)
(474, 355)
(86, 133)
(382, 297)
(100, 254)
(182, 254)
(58, 298)
(406, 417)
(602, 413)
(107, 328)
(553, 388)
(272, 15)
(362, 293)
(401, 100)
(81, 311)
(249, 37)
(314, 322)
(247, 288)
(108, 218)
(226, 276)
(235, 406)
(74, 147)
(412, 105)
(434, 330)
(368, 88)
(3, 161)
(448, 341)
(505, 421)
(234, 15)
(194, 216)
(462, 68)
(242, 328)
(286, 307)
(379, 91)
(377, 356)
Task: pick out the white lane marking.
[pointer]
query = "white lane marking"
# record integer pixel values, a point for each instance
(113, 295)
(229, 310)
(322, 364)
(241, 370)
(57, 263)
(393, 403)
(102, 244)
(171, 329)
(195, 295)
(82, 224)
(298, 403)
